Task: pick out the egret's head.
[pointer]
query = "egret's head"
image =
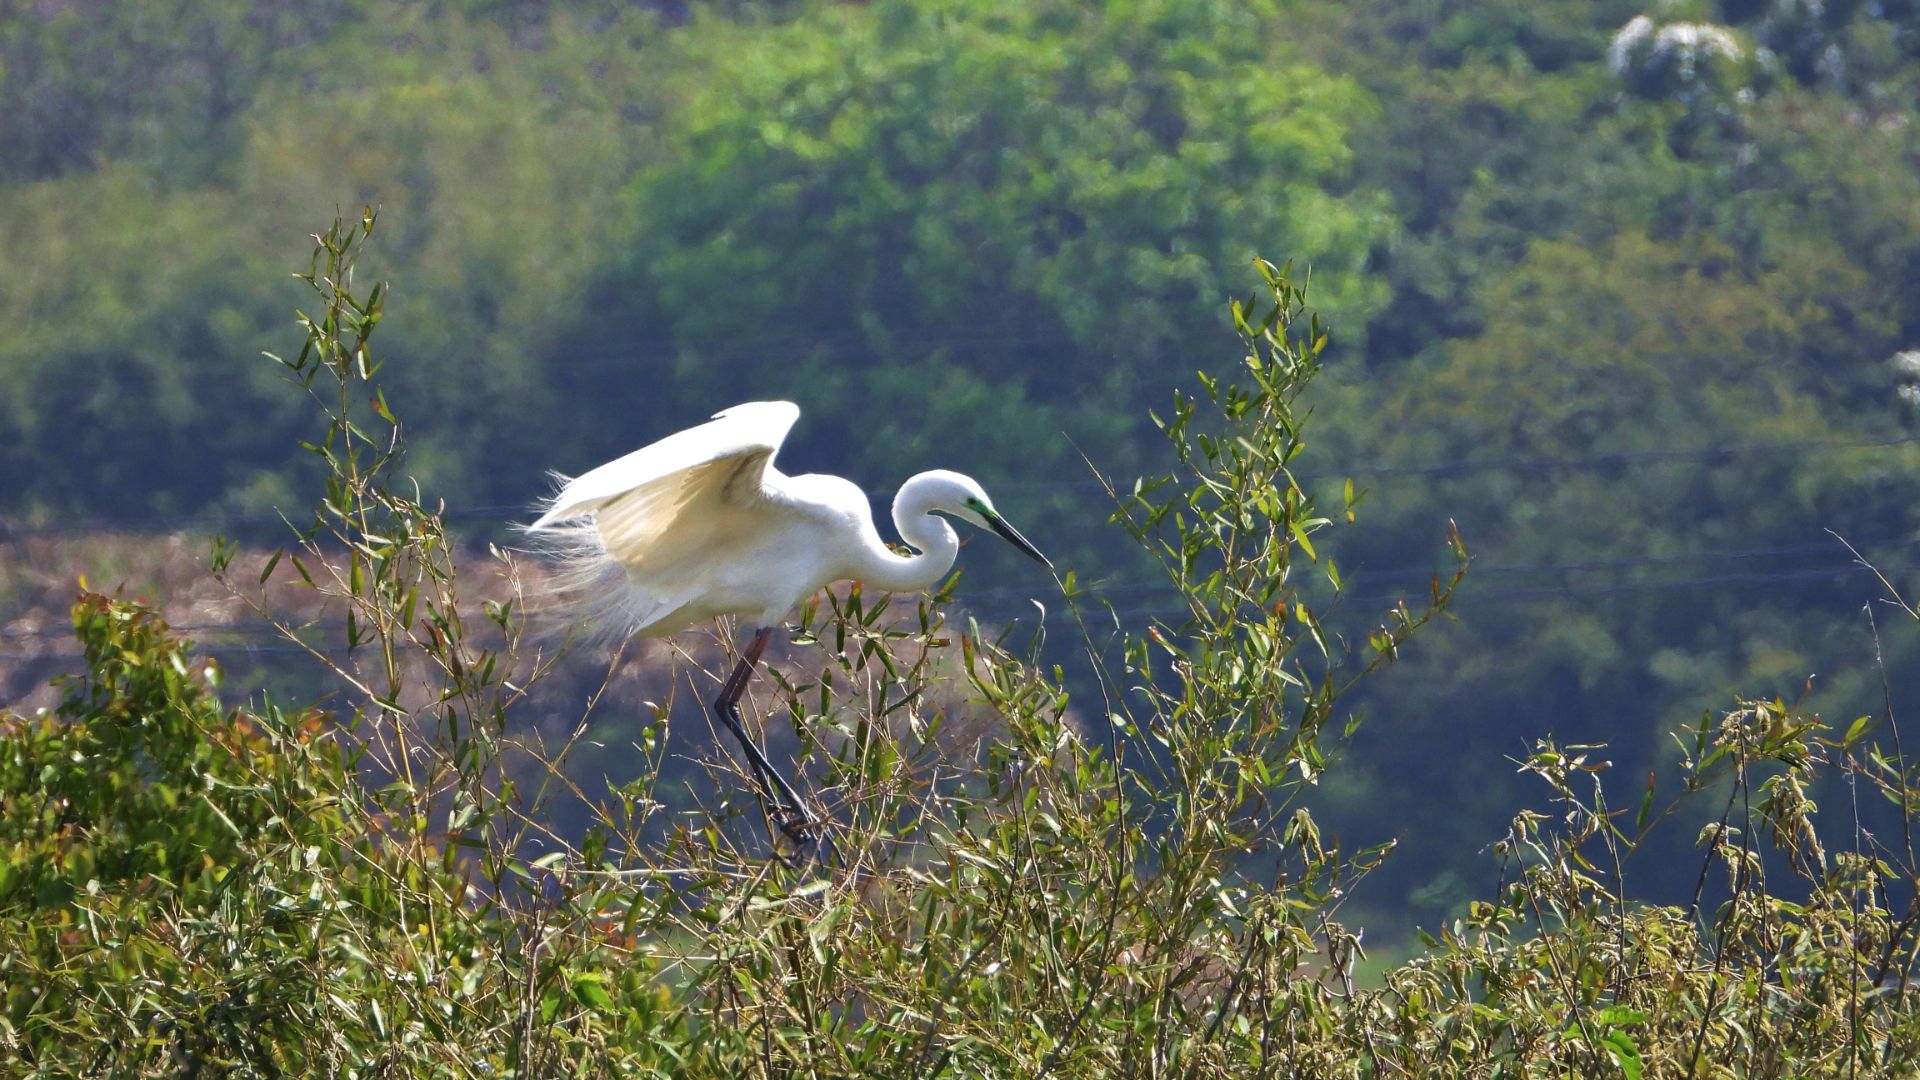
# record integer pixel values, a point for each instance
(963, 497)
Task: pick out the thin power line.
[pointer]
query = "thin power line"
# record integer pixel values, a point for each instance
(1364, 574)
(1633, 457)
(1570, 591)
(507, 513)
(247, 631)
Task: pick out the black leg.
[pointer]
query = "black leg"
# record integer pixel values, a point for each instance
(791, 814)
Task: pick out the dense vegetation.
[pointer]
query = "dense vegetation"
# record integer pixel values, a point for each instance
(192, 887)
(1621, 298)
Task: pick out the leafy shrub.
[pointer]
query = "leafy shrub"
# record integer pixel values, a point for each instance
(1123, 880)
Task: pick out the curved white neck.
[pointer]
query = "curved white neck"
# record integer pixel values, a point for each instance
(931, 536)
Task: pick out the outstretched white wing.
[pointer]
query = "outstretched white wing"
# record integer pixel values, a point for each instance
(733, 449)
(665, 517)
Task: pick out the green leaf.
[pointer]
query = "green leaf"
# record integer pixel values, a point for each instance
(1300, 537)
(589, 989)
(1855, 730)
(1621, 1016)
(812, 887)
(1621, 1048)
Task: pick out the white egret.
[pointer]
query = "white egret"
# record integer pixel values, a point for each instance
(700, 524)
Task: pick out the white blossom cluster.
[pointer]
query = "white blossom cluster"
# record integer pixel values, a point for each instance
(1906, 365)
(1684, 44)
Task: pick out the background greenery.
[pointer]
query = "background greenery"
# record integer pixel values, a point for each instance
(1623, 308)
(379, 886)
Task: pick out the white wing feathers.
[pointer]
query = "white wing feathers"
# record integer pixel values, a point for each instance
(733, 448)
(633, 541)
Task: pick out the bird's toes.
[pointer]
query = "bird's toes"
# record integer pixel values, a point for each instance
(800, 826)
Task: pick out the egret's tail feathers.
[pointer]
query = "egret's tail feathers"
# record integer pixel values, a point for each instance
(585, 589)
(553, 508)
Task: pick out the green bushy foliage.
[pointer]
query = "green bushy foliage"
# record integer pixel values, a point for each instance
(190, 888)
(1583, 297)
(1013, 905)
(1129, 885)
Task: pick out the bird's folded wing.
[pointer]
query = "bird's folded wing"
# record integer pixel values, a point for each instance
(658, 480)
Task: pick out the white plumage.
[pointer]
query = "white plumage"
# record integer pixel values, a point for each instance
(702, 524)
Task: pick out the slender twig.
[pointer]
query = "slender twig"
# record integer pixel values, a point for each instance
(1726, 925)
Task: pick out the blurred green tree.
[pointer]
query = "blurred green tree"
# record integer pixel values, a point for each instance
(972, 224)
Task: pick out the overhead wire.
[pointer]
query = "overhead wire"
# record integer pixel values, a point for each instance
(1345, 599)
(501, 512)
(506, 512)
(1560, 591)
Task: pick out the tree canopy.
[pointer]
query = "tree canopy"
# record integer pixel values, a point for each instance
(1620, 288)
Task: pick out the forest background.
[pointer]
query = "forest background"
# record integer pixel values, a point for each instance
(1622, 290)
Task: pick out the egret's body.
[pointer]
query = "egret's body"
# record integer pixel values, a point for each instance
(701, 524)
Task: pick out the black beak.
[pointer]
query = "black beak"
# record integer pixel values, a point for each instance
(1012, 536)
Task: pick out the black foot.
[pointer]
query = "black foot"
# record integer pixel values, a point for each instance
(800, 826)
(812, 843)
